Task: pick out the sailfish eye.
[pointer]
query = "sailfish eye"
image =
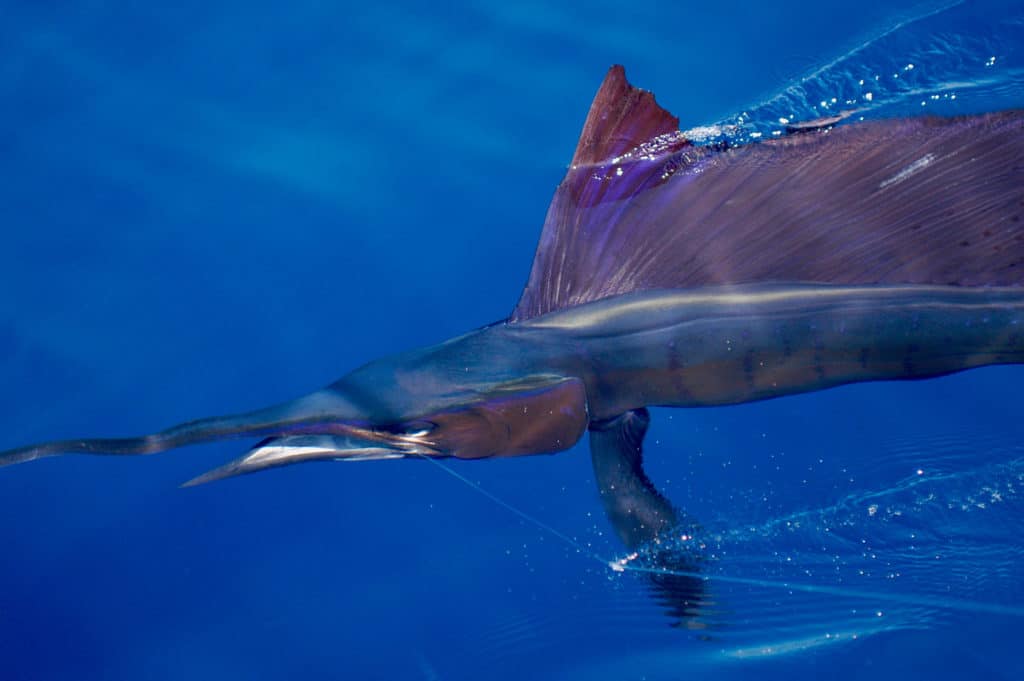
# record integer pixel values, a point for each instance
(408, 428)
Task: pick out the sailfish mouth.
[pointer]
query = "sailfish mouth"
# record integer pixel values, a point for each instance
(349, 443)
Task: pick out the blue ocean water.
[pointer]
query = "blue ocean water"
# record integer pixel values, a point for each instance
(207, 208)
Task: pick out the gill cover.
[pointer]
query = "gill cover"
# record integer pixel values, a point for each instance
(534, 415)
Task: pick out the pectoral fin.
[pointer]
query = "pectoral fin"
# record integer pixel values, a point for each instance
(637, 511)
(643, 518)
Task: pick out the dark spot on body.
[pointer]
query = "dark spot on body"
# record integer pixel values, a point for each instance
(1016, 218)
(965, 243)
(908, 366)
(673, 358)
(819, 367)
(987, 232)
(787, 349)
(679, 385)
(864, 352)
(748, 367)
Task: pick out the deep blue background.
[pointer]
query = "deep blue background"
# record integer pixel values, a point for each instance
(210, 207)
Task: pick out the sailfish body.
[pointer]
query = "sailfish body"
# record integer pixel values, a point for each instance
(680, 275)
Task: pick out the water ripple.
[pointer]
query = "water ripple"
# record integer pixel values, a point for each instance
(926, 64)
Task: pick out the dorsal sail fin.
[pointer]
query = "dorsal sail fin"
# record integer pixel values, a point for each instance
(621, 119)
(919, 201)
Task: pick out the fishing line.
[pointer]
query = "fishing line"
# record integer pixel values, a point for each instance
(623, 565)
(522, 514)
(940, 603)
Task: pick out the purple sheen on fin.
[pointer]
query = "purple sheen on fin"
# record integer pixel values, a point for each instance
(622, 118)
(916, 201)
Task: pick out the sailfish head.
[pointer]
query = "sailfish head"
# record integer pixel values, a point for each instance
(475, 396)
(453, 400)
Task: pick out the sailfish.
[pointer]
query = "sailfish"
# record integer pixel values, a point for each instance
(678, 274)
